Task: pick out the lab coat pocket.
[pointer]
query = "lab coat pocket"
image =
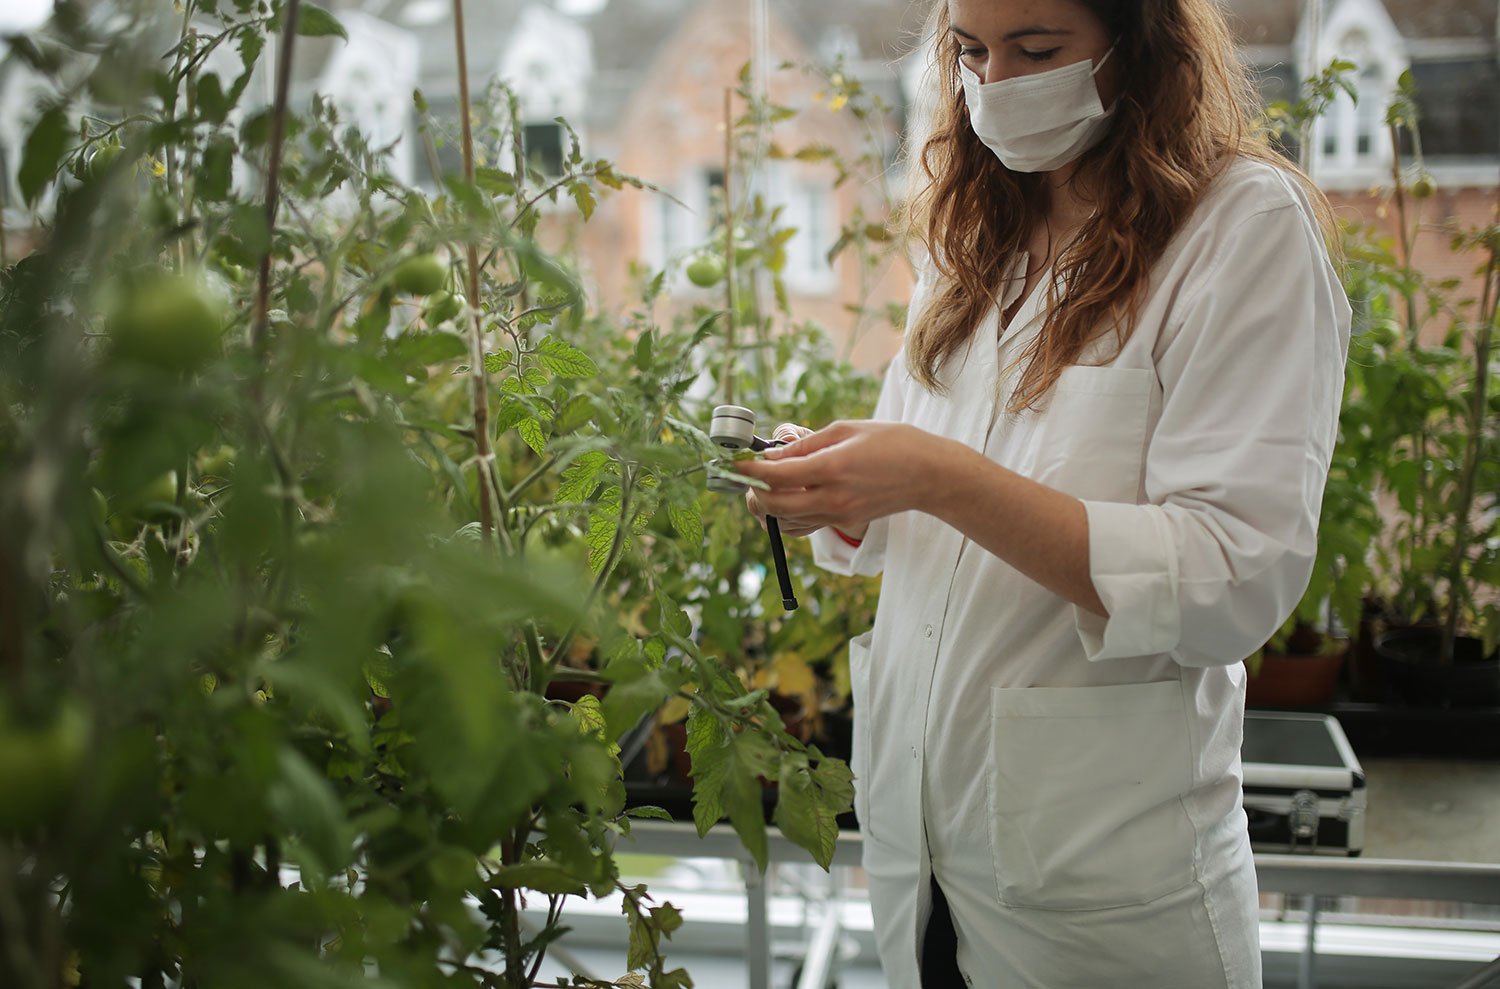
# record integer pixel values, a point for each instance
(1086, 788)
(859, 756)
(1090, 438)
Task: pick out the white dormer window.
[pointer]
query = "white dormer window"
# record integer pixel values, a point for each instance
(806, 207)
(1351, 145)
(676, 226)
(546, 86)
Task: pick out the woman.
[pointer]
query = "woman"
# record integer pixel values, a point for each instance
(1092, 483)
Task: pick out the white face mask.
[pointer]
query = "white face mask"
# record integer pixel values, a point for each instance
(1038, 122)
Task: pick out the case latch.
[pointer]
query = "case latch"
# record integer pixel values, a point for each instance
(1302, 819)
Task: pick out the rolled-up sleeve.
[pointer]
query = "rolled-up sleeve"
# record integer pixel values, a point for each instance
(836, 556)
(1252, 378)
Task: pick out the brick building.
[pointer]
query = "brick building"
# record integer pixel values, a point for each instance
(1450, 48)
(643, 81)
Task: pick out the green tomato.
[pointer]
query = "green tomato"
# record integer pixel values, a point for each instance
(168, 322)
(420, 274)
(1423, 187)
(161, 491)
(705, 271)
(442, 307)
(106, 156)
(216, 463)
(38, 766)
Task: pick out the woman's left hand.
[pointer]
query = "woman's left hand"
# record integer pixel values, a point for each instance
(848, 474)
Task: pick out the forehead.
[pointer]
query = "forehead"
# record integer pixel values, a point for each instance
(986, 18)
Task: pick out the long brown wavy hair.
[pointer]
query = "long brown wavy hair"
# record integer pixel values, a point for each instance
(1184, 112)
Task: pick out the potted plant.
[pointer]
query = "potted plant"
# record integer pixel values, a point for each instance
(1438, 450)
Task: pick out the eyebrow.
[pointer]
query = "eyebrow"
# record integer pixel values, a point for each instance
(1013, 35)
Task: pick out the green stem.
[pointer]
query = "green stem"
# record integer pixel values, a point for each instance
(502, 506)
(530, 479)
(536, 663)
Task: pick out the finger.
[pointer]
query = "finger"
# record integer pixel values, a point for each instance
(810, 443)
(795, 473)
(790, 432)
(756, 508)
(808, 506)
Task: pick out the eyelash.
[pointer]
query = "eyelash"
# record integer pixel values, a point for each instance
(1034, 56)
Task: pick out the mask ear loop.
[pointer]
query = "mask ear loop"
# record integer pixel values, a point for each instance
(1104, 58)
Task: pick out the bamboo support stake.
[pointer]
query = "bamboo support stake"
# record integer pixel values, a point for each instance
(273, 174)
(729, 353)
(4, 263)
(476, 335)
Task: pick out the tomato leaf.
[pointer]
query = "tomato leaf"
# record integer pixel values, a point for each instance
(315, 22)
(43, 151)
(565, 360)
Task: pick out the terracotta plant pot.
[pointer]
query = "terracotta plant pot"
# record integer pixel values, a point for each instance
(1295, 681)
(1414, 675)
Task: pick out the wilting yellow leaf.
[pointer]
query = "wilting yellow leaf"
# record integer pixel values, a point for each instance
(793, 675)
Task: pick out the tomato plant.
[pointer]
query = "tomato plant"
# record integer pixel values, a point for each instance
(314, 485)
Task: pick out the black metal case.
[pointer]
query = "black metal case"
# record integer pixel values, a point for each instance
(1304, 788)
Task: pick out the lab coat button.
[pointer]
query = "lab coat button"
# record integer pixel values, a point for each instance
(927, 631)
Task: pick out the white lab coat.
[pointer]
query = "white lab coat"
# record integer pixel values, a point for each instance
(1073, 783)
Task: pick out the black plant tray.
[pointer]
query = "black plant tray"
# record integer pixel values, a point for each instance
(1383, 731)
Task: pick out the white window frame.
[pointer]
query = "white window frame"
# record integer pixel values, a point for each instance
(1358, 31)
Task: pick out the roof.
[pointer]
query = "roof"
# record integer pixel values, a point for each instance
(1443, 18)
(629, 35)
(635, 30)
(1274, 22)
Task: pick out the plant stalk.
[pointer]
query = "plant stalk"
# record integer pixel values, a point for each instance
(476, 335)
(1405, 237)
(1478, 405)
(1418, 534)
(515, 967)
(273, 175)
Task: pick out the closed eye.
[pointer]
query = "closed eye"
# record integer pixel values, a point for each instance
(1040, 56)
